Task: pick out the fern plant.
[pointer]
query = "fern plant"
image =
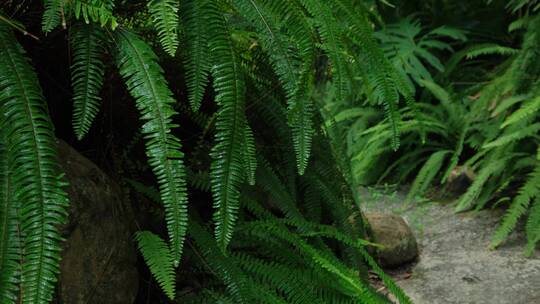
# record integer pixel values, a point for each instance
(35, 194)
(288, 38)
(490, 128)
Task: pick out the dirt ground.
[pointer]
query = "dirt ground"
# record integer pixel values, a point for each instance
(455, 265)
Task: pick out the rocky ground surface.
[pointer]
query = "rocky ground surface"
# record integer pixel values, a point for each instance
(455, 265)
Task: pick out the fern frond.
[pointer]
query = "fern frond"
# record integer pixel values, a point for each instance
(248, 155)
(165, 18)
(284, 278)
(506, 103)
(532, 229)
(287, 65)
(144, 79)
(457, 152)
(148, 191)
(476, 187)
(10, 243)
(98, 11)
(35, 172)
(329, 31)
(426, 174)
(439, 92)
(197, 59)
(526, 110)
(87, 72)
(490, 49)
(227, 166)
(319, 258)
(388, 282)
(158, 257)
(228, 272)
(516, 135)
(52, 16)
(519, 206)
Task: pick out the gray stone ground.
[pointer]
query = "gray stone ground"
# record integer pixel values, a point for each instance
(455, 265)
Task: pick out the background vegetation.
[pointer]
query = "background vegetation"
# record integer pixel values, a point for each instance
(244, 128)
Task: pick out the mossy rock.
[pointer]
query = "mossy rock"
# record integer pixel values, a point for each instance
(396, 238)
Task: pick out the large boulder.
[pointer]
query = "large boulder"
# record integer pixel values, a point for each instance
(396, 238)
(99, 259)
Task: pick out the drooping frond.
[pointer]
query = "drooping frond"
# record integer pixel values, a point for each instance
(382, 79)
(248, 155)
(532, 228)
(97, 11)
(318, 258)
(229, 273)
(165, 19)
(52, 17)
(34, 171)
(10, 251)
(505, 139)
(158, 257)
(519, 207)
(197, 59)
(329, 30)
(87, 75)
(227, 165)
(426, 174)
(476, 187)
(144, 79)
(490, 49)
(287, 64)
(526, 110)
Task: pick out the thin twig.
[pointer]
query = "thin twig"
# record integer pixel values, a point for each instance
(17, 27)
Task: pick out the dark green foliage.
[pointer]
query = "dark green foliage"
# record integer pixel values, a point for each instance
(143, 76)
(197, 57)
(165, 18)
(10, 251)
(159, 259)
(488, 129)
(280, 220)
(87, 75)
(35, 178)
(227, 166)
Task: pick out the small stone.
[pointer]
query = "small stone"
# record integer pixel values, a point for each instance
(460, 178)
(396, 238)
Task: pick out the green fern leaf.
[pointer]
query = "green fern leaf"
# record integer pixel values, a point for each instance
(87, 75)
(248, 154)
(526, 110)
(519, 207)
(227, 166)
(516, 135)
(10, 251)
(476, 187)
(287, 65)
(52, 16)
(158, 257)
(532, 229)
(426, 174)
(197, 59)
(165, 18)
(228, 272)
(35, 172)
(144, 78)
(490, 49)
(329, 31)
(506, 103)
(98, 11)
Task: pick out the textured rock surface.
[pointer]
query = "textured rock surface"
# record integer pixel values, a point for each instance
(456, 267)
(99, 260)
(396, 237)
